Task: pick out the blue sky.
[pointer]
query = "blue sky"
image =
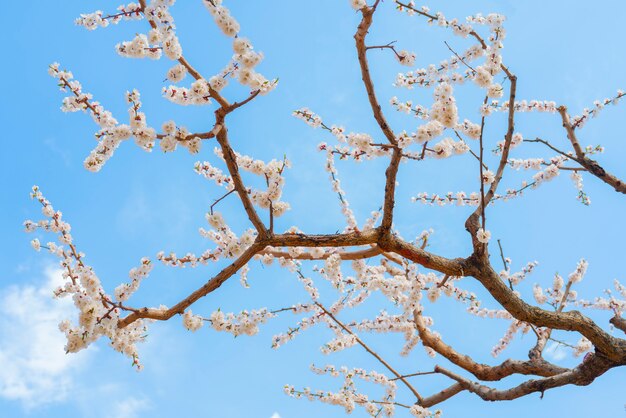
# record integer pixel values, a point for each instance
(142, 203)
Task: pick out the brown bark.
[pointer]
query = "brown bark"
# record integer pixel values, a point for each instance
(592, 166)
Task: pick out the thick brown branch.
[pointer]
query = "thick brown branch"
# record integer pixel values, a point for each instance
(618, 322)
(344, 255)
(613, 348)
(444, 395)
(483, 371)
(396, 157)
(592, 367)
(390, 189)
(394, 258)
(332, 240)
(453, 267)
(201, 135)
(284, 240)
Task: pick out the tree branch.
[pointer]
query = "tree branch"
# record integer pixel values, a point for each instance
(231, 163)
(373, 353)
(618, 322)
(396, 157)
(482, 371)
(192, 71)
(591, 165)
(591, 368)
(207, 288)
(611, 347)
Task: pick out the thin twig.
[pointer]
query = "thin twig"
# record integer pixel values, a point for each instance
(369, 350)
(459, 57)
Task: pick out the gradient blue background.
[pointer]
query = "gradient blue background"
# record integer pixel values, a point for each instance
(568, 51)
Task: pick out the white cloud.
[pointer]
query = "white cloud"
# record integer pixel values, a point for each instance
(35, 369)
(275, 415)
(556, 351)
(129, 407)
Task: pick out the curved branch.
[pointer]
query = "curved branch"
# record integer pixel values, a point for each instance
(453, 267)
(359, 37)
(284, 240)
(201, 135)
(592, 367)
(396, 157)
(618, 322)
(208, 287)
(484, 372)
(591, 165)
(444, 395)
(611, 347)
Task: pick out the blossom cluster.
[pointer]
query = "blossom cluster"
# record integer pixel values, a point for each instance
(162, 39)
(406, 288)
(509, 335)
(610, 302)
(560, 293)
(91, 21)
(336, 186)
(598, 105)
(111, 132)
(244, 60)
(517, 277)
(521, 106)
(244, 323)
(271, 172)
(552, 170)
(210, 172)
(229, 244)
(348, 396)
(98, 313)
(482, 75)
(407, 107)
(442, 73)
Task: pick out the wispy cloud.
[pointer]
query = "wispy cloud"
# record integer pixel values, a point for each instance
(53, 146)
(35, 369)
(556, 351)
(129, 407)
(275, 415)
